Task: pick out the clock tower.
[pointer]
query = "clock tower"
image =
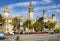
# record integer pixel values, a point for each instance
(6, 15)
(30, 11)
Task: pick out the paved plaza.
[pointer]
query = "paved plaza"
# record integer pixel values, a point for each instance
(35, 37)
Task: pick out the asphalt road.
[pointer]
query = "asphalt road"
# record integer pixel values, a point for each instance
(34, 37)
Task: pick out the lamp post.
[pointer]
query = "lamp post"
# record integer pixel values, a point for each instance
(18, 27)
(28, 27)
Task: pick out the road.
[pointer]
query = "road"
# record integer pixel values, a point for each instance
(34, 37)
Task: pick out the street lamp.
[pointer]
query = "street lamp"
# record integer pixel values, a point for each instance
(18, 38)
(28, 27)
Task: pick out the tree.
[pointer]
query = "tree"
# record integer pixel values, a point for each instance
(52, 25)
(2, 20)
(57, 30)
(49, 25)
(37, 26)
(41, 23)
(15, 23)
(28, 24)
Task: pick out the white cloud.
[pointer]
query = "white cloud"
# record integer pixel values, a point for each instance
(54, 6)
(22, 4)
(21, 13)
(37, 8)
(11, 6)
(48, 7)
(27, 3)
(54, 11)
(57, 10)
(18, 4)
(47, 1)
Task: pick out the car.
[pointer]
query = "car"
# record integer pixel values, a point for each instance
(50, 31)
(35, 33)
(38, 32)
(10, 33)
(2, 36)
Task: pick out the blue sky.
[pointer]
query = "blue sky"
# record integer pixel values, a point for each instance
(20, 7)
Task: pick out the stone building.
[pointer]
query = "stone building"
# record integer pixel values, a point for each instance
(31, 13)
(7, 26)
(46, 18)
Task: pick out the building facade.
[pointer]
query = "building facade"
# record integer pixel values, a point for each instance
(8, 27)
(46, 18)
(31, 13)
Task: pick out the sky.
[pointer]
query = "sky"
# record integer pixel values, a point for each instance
(21, 7)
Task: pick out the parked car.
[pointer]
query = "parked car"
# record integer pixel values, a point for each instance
(2, 36)
(35, 33)
(10, 33)
(39, 33)
(50, 31)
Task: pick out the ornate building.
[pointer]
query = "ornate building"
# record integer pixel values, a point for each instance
(6, 11)
(45, 18)
(7, 27)
(31, 12)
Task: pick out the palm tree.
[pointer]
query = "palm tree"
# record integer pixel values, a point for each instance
(15, 23)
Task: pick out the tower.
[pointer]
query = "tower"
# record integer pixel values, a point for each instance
(31, 15)
(54, 17)
(44, 13)
(30, 11)
(6, 15)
